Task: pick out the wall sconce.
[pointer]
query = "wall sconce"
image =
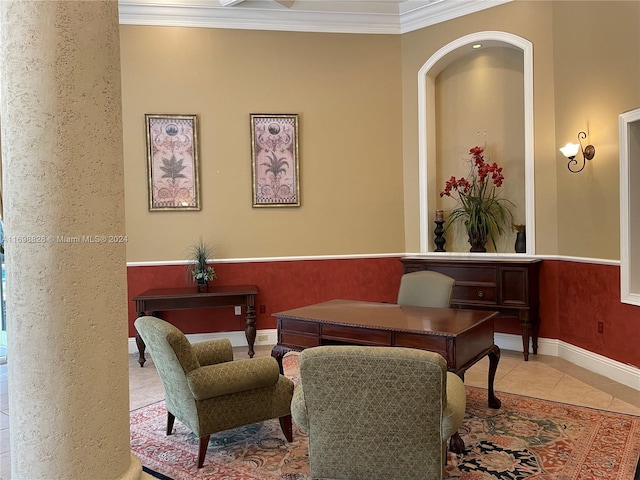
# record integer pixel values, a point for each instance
(570, 150)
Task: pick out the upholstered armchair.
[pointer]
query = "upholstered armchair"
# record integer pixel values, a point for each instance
(209, 392)
(425, 289)
(377, 413)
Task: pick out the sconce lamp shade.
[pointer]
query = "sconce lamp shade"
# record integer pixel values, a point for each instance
(570, 150)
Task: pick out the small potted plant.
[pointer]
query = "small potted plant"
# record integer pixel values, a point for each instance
(200, 270)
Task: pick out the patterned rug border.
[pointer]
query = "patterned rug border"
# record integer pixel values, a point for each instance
(155, 474)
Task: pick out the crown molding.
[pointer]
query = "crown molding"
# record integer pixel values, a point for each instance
(211, 14)
(442, 12)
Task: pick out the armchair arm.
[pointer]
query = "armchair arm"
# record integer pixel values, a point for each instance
(210, 352)
(231, 377)
(456, 404)
(299, 409)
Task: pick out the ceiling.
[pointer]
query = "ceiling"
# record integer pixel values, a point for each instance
(338, 16)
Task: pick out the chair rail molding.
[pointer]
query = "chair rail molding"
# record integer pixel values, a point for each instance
(629, 126)
(426, 104)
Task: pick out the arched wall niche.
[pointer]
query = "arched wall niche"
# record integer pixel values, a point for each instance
(428, 189)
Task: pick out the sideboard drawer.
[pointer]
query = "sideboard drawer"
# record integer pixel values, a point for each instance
(487, 274)
(475, 294)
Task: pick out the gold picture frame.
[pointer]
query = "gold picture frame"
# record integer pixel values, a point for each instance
(275, 163)
(173, 163)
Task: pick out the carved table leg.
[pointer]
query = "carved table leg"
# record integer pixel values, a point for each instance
(278, 352)
(526, 334)
(141, 348)
(250, 326)
(139, 342)
(535, 330)
(494, 358)
(456, 444)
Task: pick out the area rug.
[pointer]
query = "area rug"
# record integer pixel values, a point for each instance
(526, 438)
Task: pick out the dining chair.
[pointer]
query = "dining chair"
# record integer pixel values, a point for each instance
(425, 288)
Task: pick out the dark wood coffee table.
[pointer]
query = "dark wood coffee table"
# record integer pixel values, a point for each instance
(462, 337)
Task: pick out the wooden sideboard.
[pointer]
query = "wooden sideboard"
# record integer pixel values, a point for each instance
(508, 286)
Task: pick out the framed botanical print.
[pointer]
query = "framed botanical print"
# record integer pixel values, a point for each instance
(173, 162)
(274, 160)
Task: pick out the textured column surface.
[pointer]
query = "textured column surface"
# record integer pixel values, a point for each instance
(65, 240)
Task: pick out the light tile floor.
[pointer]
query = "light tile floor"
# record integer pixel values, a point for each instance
(542, 376)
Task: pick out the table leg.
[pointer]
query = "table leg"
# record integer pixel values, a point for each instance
(278, 352)
(250, 326)
(456, 444)
(535, 330)
(141, 348)
(494, 358)
(526, 334)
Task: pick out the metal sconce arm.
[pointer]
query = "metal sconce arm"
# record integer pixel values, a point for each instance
(588, 153)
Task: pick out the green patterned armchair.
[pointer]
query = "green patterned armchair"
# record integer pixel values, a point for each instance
(377, 413)
(209, 392)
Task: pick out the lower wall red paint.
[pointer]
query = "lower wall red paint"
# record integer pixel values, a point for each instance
(574, 297)
(588, 294)
(281, 285)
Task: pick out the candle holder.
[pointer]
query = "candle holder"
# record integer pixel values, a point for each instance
(439, 233)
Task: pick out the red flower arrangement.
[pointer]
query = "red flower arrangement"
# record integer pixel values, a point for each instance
(484, 212)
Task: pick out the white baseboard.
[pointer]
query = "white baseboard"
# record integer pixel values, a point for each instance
(514, 342)
(619, 372)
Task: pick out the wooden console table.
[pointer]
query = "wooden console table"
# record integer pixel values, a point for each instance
(154, 300)
(508, 286)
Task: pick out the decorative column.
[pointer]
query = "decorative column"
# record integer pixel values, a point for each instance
(65, 240)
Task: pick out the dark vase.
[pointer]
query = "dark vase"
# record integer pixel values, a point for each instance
(521, 242)
(202, 285)
(478, 238)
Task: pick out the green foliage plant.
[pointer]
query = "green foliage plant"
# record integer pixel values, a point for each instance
(480, 206)
(200, 253)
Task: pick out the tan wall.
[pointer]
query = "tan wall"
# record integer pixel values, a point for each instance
(347, 92)
(530, 20)
(597, 77)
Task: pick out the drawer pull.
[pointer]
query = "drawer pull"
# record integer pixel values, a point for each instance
(480, 293)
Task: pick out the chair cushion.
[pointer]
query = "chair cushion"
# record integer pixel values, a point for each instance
(231, 377)
(210, 352)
